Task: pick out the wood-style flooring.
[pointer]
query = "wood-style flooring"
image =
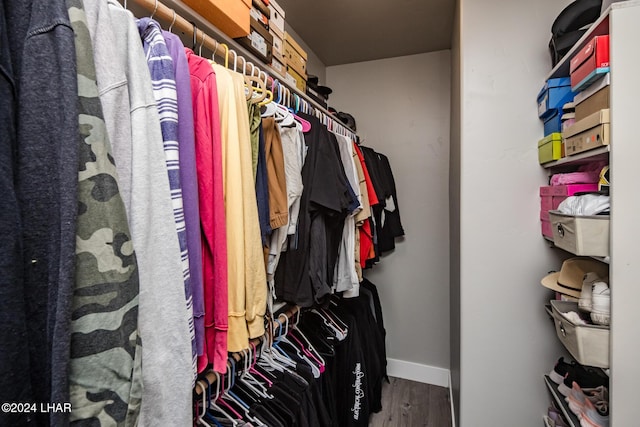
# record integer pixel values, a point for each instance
(408, 403)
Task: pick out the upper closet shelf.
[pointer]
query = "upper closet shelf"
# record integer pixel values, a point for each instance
(598, 28)
(209, 35)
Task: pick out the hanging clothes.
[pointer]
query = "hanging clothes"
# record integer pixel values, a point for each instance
(345, 277)
(189, 180)
(40, 40)
(134, 128)
(247, 276)
(164, 90)
(363, 215)
(15, 377)
(105, 369)
(278, 206)
(209, 161)
(305, 274)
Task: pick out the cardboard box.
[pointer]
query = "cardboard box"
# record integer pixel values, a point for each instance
(296, 56)
(278, 46)
(301, 79)
(277, 17)
(591, 61)
(262, 7)
(260, 17)
(550, 148)
(588, 133)
(259, 42)
(278, 66)
(232, 17)
(596, 102)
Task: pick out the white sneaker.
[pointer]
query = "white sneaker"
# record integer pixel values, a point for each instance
(601, 304)
(585, 303)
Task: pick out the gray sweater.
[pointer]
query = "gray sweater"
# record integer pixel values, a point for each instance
(133, 125)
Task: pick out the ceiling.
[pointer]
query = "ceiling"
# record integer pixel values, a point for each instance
(347, 31)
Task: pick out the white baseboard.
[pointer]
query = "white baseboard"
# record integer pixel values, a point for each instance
(417, 372)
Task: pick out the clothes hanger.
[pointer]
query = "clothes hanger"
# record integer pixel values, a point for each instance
(340, 333)
(226, 55)
(200, 419)
(175, 15)
(194, 40)
(295, 330)
(155, 9)
(317, 365)
(247, 378)
(254, 371)
(201, 43)
(213, 402)
(233, 396)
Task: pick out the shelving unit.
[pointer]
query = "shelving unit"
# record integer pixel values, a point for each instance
(620, 21)
(601, 153)
(569, 416)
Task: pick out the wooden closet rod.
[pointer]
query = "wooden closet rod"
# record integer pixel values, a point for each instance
(161, 12)
(164, 13)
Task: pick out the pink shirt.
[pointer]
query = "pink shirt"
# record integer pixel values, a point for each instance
(212, 212)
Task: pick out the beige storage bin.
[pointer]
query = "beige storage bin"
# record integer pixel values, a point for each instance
(588, 344)
(586, 235)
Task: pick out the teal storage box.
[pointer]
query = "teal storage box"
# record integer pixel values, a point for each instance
(551, 98)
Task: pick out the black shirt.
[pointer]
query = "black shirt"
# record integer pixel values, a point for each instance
(305, 274)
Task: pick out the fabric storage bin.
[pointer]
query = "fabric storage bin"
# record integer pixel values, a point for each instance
(550, 148)
(588, 344)
(586, 235)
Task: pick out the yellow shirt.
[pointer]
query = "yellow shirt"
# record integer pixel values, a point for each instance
(245, 259)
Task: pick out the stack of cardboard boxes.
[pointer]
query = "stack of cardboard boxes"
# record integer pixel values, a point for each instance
(259, 41)
(289, 59)
(259, 26)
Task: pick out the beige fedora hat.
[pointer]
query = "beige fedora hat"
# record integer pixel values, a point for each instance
(568, 280)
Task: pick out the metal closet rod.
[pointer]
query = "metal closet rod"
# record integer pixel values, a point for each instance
(164, 13)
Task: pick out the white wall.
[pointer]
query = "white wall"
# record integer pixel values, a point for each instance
(454, 213)
(506, 340)
(401, 106)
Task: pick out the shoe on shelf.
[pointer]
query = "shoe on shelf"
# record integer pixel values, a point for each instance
(598, 396)
(550, 422)
(555, 417)
(585, 377)
(584, 303)
(601, 304)
(561, 369)
(591, 416)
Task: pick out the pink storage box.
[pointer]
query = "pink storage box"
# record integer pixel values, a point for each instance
(545, 224)
(546, 229)
(548, 203)
(566, 190)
